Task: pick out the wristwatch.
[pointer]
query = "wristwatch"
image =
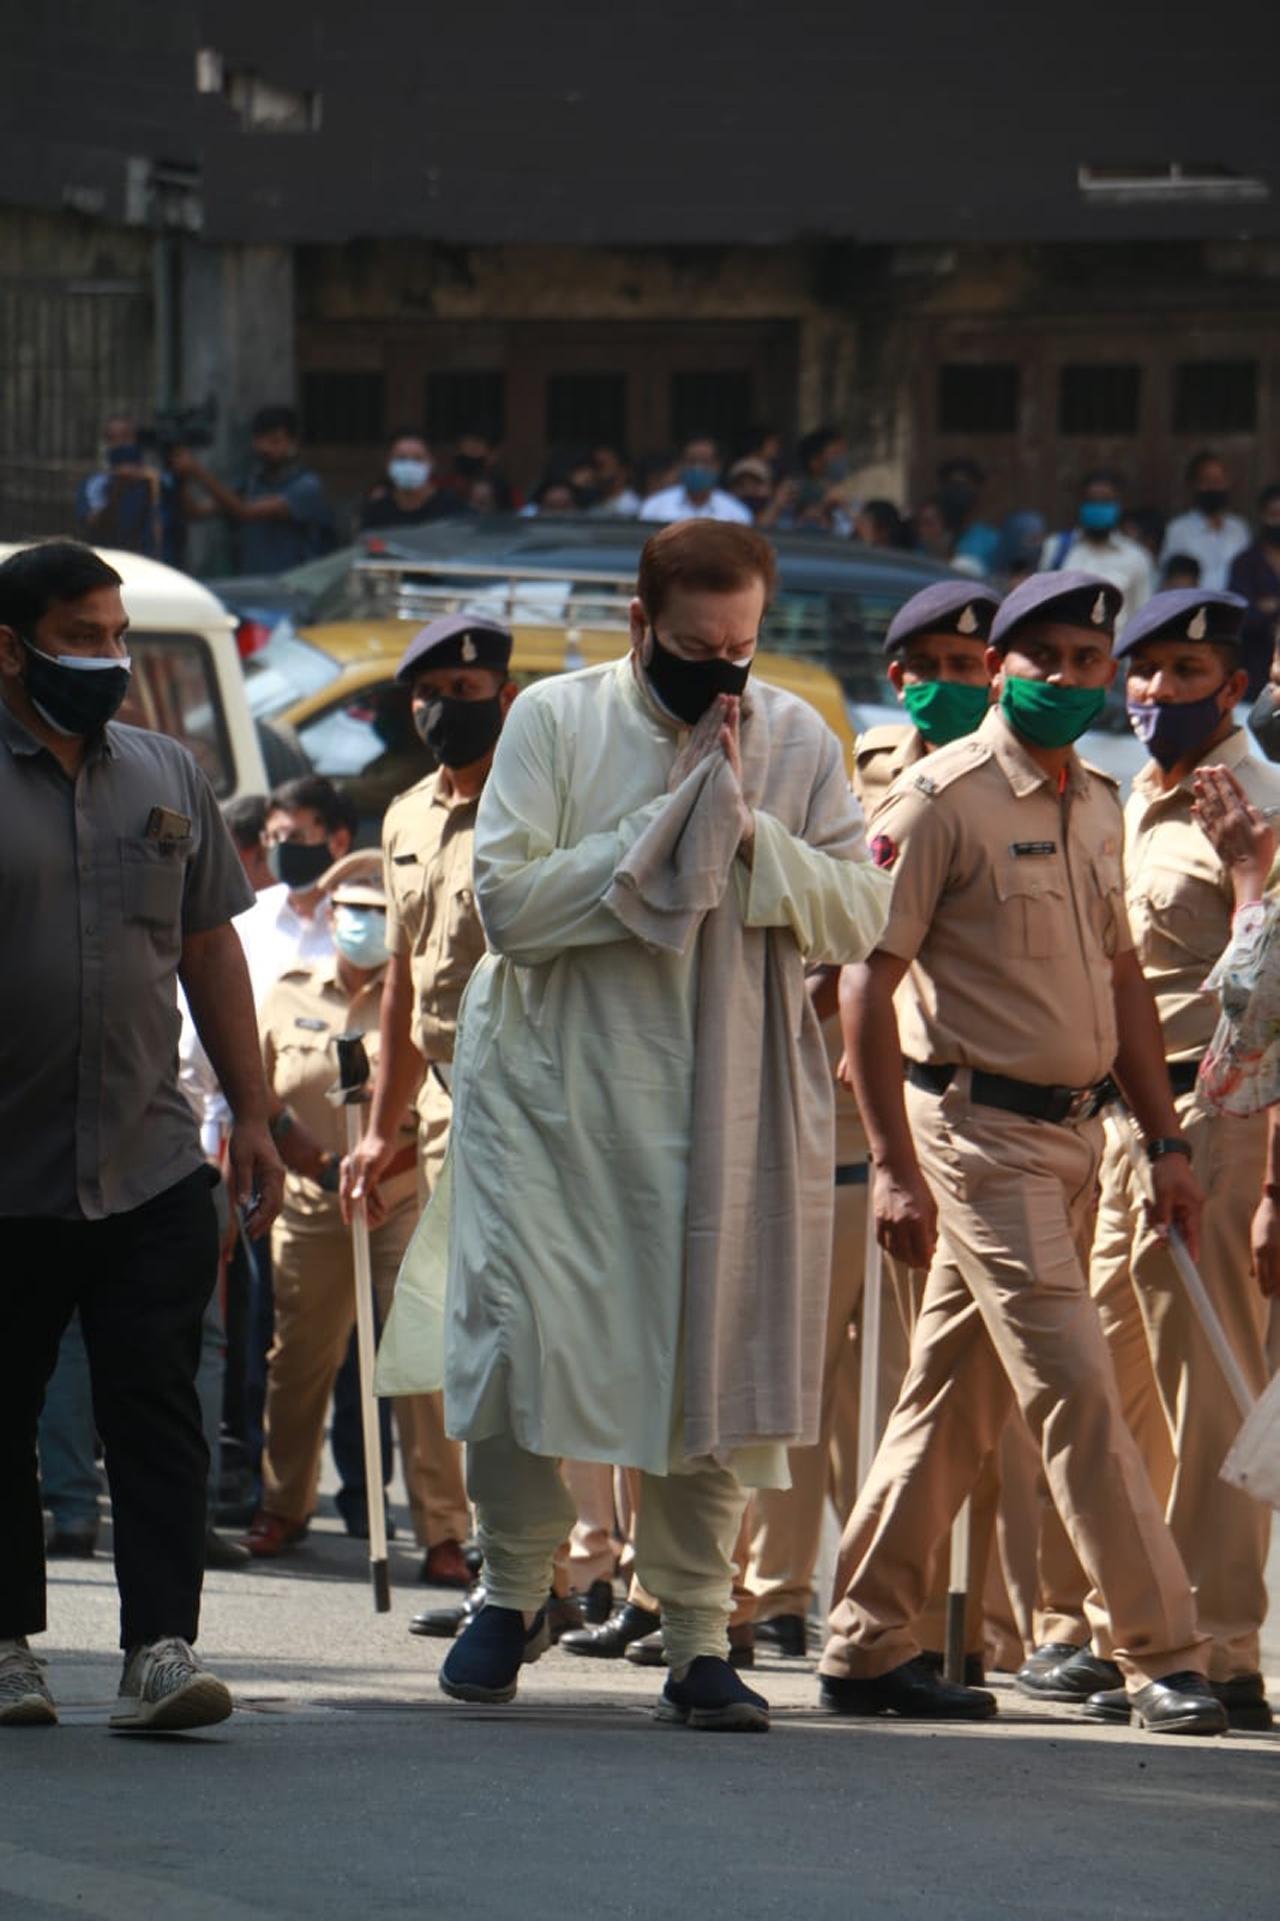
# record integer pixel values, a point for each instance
(1168, 1144)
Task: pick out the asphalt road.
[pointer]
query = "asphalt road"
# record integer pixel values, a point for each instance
(346, 1784)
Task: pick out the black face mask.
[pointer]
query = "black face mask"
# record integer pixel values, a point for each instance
(1264, 721)
(75, 700)
(688, 687)
(459, 732)
(470, 466)
(1211, 500)
(298, 864)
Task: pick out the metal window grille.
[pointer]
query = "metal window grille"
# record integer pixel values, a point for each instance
(1099, 398)
(344, 408)
(465, 403)
(586, 409)
(977, 398)
(1215, 397)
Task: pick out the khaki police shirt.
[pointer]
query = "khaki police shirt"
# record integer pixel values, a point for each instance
(1179, 894)
(427, 849)
(880, 755)
(93, 914)
(302, 1013)
(1008, 901)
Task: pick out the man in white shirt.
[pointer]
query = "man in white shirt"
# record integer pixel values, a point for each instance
(696, 495)
(1095, 546)
(1207, 532)
(309, 826)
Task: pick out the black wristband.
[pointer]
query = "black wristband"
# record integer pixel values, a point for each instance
(1168, 1144)
(331, 1173)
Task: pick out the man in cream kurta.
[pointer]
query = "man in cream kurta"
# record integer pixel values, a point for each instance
(657, 860)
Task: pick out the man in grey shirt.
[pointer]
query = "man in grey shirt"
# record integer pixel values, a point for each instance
(117, 880)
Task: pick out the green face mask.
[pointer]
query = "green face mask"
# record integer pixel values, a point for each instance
(945, 710)
(1050, 716)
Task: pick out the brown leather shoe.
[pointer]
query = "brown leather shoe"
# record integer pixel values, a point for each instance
(445, 1565)
(272, 1534)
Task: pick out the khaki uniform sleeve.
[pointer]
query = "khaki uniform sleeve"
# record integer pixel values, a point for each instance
(913, 840)
(397, 940)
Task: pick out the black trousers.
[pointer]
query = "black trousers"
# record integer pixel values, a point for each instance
(142, 1281)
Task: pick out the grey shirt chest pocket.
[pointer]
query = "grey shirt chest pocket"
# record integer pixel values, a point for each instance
(153, 874)
(1031, 912)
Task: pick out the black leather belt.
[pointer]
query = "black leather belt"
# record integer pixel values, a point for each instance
(852, 1174)
(1061, 1104)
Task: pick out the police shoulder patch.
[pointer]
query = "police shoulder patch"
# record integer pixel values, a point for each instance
(883, 849)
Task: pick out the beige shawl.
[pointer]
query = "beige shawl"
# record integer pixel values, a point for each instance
(759, 1215)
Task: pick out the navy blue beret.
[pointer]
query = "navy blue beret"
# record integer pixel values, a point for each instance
(456, 640)
(961, 607)
(1068, 598)
(1186, 613)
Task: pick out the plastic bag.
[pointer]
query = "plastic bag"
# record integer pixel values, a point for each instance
(1240, 1073)
(411, 1351)
(1253, 1463)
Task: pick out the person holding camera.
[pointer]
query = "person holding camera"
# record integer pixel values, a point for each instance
(281, 514)
(127, 503)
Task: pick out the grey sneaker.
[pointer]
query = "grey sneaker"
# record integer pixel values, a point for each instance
(25, 1701)
(164, 1689)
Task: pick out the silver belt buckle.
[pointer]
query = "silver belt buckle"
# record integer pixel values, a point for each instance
(1081, 1108)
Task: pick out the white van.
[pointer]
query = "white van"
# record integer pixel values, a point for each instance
(187, 679)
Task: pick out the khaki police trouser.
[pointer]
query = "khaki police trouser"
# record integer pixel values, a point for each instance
(594, 1544)
(447, 1515)
(1174, 1398)
(788, 1521)
(686, 1527)
(1007, 1315)
(315, 1311)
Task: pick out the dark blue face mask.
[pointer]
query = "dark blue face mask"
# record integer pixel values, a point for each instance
(1172, 731)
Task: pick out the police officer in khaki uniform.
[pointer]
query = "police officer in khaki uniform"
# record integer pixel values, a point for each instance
(937, 666)
(1022, 993)
(315, 1306)
(1182, 654)
(456, 672)
(936, 647)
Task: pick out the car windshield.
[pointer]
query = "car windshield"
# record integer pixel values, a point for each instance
(286, 670)
(173, 690)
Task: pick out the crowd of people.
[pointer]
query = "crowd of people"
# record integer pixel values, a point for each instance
(657, 1008)
(281, 514)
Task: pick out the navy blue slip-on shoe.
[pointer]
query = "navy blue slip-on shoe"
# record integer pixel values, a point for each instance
(712, 1697)
(484, 1663)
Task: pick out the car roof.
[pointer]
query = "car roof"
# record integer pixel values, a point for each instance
(815, 561)
(155, 596)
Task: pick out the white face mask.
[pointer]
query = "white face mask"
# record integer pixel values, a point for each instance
(408, 475)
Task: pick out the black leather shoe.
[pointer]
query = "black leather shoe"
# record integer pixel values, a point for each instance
(1175, 1704)
(443, 1623)
(1050, 1654)
(564, 1616)
(1245, 1699)
(711, 1697)
(1109, 1704)
(484, 1663)
(648, 1651)
(610, 1642)
(784, 1634)
(1081, 1675)
(975, 1673)
(913, 1691)
(219, 1552)
(597, 1603)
